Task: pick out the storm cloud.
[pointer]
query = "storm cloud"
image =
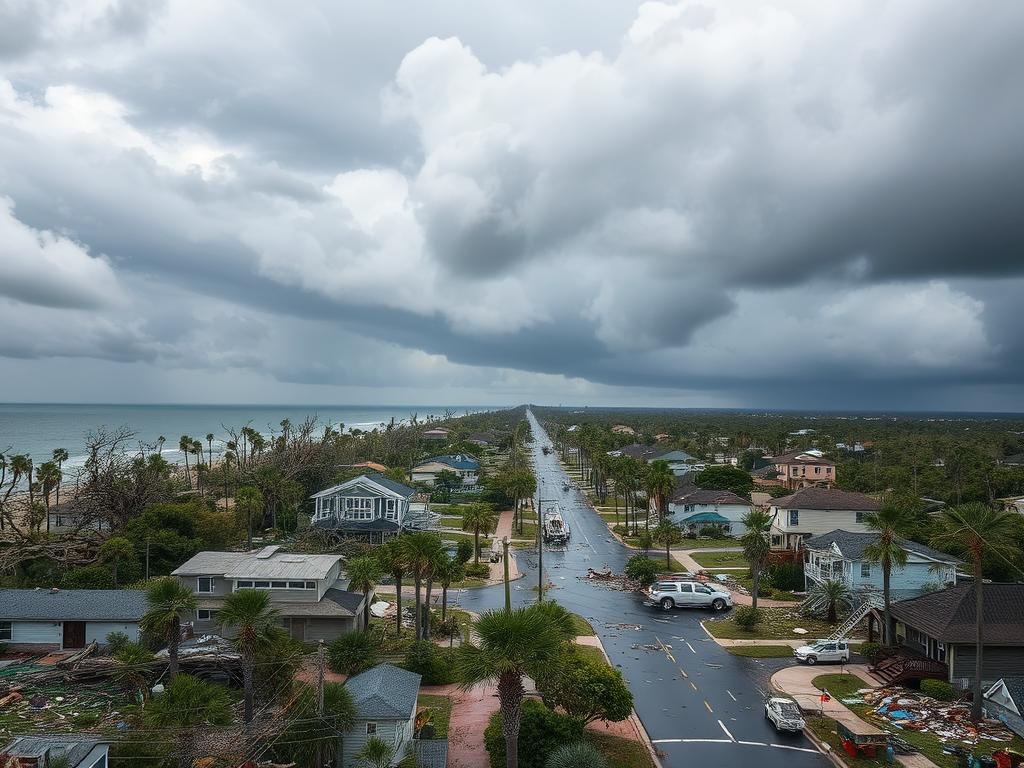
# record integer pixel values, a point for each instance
(767, 204)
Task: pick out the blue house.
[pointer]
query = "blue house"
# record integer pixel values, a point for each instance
(839, 555)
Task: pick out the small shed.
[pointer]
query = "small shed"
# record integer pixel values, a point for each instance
(58, 619)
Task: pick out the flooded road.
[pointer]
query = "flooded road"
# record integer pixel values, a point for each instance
(701, 705)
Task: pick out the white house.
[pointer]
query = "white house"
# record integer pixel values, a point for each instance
(371, 506)
(814, 510)
(58, 619)
(692, 509)
(466, 467)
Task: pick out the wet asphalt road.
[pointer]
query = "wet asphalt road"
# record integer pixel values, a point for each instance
(700, 705)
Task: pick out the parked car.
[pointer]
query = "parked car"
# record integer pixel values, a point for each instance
(823, 650)
(784, 714)
(688, 594)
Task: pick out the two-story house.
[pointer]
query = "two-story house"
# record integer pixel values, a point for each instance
(463, 465)
(372, 507)
(813, 511)
(797, 469)
(839, 556)
(308, 591)
(697, 508)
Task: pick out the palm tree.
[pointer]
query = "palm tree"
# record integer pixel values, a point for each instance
(376, 753)
(197, 451)
(392, 561)
(660, 485)
(979, 532)
(524, 641)
(60, 455)
(160, 445)
(185, 446)
(115, 551)
(419, 550)
(248, 498)
(249, 613)
(476, 518)
(449, 570)
(756, 546)
(209, 442)
(890, 523)
(831, 593)
(48, 475)
(168, 598)
(363, 574)
(667, 533)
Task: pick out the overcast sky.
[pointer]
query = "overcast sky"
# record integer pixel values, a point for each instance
(788, 204)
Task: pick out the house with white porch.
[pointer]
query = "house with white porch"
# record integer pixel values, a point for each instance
(372, 507)
(814, 510)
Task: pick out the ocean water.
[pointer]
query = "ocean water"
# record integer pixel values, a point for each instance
(36, 429)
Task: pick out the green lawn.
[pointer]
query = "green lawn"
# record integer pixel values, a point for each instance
(761, 651)
(721, 559)
(659, 560)
(620, 752)
(592, 653)
(440, 712)
(686, 544)
(777, 623)
(846, 686)
(582, 626)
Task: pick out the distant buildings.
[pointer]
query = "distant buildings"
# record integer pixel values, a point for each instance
(437, 433)
(308, 591)
(62, 619)
(814, 511)
(797, 469)
(679, 461)
(622, 429)
(463, 465)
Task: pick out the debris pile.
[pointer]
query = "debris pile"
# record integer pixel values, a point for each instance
(908, 710)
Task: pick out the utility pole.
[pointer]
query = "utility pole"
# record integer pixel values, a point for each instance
(504, 558)
(319, 695)
(147, 558)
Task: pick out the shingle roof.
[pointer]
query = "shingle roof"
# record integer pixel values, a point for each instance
(852, 545)
(357, 526)
(432, 753)
(73, 746)
(948, 615)
(337, 603)
(258, 565)
(827, 498)
(383, 481)
(385, 691)
(73, 604)
(801, 457)
(705, 496)
(458, 461)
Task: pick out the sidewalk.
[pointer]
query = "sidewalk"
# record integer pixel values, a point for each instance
(796, 681)
(503, 529)
(685, 559)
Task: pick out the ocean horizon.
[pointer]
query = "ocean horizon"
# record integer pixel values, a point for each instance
(36, 429)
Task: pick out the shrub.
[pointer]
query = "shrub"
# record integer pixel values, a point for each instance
(432, 663)
(747, 617)
(714, 531)
(464, 551)
(585, 689)
(785, 576)
(352, 653)
(541, 732)
(581, 754)
(116, 641)
(871, 651)
(478, 570)
(621, 530)
(937, 689)
(642, 569)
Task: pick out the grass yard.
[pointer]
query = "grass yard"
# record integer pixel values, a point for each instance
(686, 544)
(659, 560)
(592, 653)
(440, 712)
(582, 626)
(721, 559)
(761, 651)
(620, 752)
(777, 623)
(845, 686)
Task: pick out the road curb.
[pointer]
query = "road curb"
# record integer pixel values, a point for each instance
(824, 748)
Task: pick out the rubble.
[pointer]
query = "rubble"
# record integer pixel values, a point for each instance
(898, 707)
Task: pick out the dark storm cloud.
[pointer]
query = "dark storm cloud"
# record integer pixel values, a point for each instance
(765, 203)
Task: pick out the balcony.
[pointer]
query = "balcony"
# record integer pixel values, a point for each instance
(826, 572)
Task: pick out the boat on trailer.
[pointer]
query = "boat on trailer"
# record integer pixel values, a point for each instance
(556, 530)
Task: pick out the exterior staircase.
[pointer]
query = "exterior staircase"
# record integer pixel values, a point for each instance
(902, 666)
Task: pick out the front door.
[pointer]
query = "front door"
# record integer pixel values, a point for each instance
(297, 628)
(74, 634)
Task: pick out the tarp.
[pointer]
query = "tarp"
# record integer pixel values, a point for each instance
(705, 517)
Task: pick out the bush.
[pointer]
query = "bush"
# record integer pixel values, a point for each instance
(581, 754)
(586, 689)
(478, 570)
(714, 531)
(432, 663)
(116, 641)
(938, 689)
(541, 732)
(463, 551)
(621, 530)
(642, 569)
(747, 617)
(352, 653)
(788, 577)
(871, 651)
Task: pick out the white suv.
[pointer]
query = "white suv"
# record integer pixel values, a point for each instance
(688, 594)
(824, 650)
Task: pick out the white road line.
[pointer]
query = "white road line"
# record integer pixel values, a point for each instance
(795, 749)
(731, 737)
(691, 741)
(694, 650)
(754, 743)
(730, 694)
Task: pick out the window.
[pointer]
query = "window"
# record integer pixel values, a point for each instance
(817, 470)
(794, 517)
(204, 585)
(667, 587)
(859, 517)
(310, 585)
(204, 614)
(6, 630)
(776, 540)
(686, 588)
(865, 570)
(244, 585)
(261, 584)
(279, 585)
(296, 585)
(371, 729)
(391, 510)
